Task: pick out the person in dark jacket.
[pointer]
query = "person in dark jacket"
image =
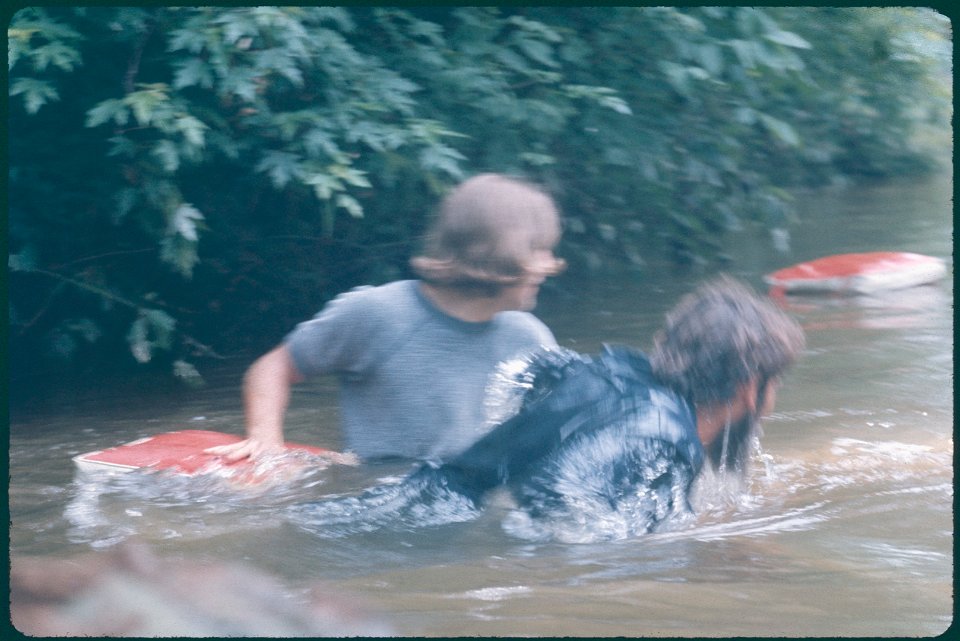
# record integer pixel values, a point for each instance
(617, 437)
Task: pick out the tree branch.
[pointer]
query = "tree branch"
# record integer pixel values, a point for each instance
(133, 65)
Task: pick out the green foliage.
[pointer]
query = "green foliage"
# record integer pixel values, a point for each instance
(183, 178)
(40, 44)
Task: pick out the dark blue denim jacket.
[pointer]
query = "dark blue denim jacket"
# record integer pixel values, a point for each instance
(597, 428)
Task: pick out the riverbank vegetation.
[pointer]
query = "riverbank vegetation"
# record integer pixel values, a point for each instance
(185, 181)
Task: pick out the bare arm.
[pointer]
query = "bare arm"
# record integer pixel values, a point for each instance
(266, 394)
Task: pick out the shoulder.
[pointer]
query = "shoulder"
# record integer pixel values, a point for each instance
(527, 325)
(554, 362)
(626, 363)
(545, 370)
(399, 291)
(362, 311)
(375, 302)
(351, 330)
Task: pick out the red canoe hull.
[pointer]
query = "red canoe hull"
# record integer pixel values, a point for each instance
(180, 452)
(859, 273)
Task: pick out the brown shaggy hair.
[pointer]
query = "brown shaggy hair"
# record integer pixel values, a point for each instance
(715, 340)
(486, 232)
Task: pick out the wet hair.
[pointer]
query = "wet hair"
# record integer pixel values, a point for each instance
(486, 232)
(716, 339)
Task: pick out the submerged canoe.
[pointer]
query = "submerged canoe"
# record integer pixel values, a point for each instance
(858, 273)
(182, 452)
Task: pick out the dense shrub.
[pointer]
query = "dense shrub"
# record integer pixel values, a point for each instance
(182, 179)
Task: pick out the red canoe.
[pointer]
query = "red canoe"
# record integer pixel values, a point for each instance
(858, 273)
(182, 452)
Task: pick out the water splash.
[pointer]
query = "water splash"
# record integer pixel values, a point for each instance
(804, 518)
(615, 486)
(860, 463)
(107, 508)
(504, 394)
(420, 500)
(494, 593)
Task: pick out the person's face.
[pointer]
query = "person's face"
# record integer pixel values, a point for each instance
(737, 417)
(750, 400)
(769, 400)
(523, 295)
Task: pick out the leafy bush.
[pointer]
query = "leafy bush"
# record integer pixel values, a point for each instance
(182, 179)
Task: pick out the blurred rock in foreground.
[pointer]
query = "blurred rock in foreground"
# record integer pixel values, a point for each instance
(131, 592)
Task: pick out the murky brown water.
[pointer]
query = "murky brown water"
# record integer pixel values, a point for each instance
(846, 529)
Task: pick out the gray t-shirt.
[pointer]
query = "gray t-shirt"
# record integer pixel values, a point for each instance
(412, 378)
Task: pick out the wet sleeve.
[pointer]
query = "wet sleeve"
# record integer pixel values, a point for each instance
(339, 339)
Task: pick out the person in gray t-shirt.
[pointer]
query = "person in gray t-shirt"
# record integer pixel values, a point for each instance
(414, 357)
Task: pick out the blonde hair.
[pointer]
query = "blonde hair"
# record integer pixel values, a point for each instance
(486, 233)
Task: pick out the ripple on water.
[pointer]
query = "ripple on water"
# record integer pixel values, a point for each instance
(778, 495)
(106, 508)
